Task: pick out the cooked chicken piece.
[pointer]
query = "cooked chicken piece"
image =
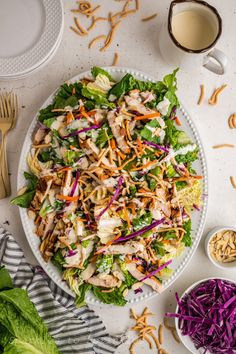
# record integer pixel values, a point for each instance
(75, 260)
(135, 105)
(118, 132)
(46, 225)
(67, 185)
(164, 207)
(144, 255)
(104, 280)
(88, 272)
(47, 245)
(153, 282)
(106, 225)
(86, 251)
(147, 96)
(134, 94)
(81, 254)
(36, 202)
(39, 136)
(129, 247)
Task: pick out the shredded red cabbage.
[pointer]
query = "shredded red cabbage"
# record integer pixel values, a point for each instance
(71, 253)
(140, 232)
(196, 207)
(77, 132)
(207, 314)
(156, 270)
(75, 184)
(139, 290)
(159, 147)
(115, 196)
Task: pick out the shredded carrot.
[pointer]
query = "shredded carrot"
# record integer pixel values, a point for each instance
(67, 198)
(86, 114)
(148, 116)
(121, 154)
(65, 169)
(124, 164)
(127, 217)
(69, 117)
(80, 219)
(132, 206)
(113, 143)
(140, 145)
(148, 164)
(178, 122)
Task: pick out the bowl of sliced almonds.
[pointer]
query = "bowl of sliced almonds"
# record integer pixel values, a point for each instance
(220, 246)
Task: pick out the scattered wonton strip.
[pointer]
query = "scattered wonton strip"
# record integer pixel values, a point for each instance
(146, 332)
(232, 121)
(202, 94)
(145, 19)
(223, 146)
(214, 97)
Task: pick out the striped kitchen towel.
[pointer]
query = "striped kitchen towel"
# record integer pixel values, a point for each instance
(74, 330)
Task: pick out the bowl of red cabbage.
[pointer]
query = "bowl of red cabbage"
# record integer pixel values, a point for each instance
(205, 317)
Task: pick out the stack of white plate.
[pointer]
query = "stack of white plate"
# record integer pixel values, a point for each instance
(30, 34)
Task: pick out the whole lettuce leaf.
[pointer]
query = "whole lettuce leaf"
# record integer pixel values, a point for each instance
(25, 199)
(21, 328)
(5, 279)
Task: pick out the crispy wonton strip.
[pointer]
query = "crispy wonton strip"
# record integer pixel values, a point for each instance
(202, 93)
(145, 19)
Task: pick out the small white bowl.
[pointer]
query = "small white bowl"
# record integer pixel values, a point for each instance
(231, 265)
(186, 340)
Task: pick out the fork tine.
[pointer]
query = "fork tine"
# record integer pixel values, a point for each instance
(14, 108)
(8, 104)
(5, 111)
(1, 107)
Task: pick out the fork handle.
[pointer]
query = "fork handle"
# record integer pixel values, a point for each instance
(3, 192)
(4, 167)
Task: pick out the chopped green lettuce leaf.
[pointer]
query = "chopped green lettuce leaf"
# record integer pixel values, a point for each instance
(142, 221)
(58, 260)
(104, 135)
(96, 71)
(98, 97)
(104, 263)
(115, 297)
(125, 85)
(187, 239)
(24, 200)
(80, 299)
(147, 132)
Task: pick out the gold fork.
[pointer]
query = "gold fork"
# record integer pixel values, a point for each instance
(8, 116)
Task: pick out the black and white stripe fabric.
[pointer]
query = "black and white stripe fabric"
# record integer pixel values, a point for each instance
(74, 330)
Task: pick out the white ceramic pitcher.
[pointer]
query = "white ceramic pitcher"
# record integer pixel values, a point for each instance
(176, 54)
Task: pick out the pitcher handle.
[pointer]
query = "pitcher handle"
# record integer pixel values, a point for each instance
(219, 65)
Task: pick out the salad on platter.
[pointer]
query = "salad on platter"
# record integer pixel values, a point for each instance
(111, 186)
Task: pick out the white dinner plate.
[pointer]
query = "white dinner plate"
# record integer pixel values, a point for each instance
(39, 67)
(198, 218)
(29, 33)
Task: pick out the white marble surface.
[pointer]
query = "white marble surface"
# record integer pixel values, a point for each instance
(137, 45)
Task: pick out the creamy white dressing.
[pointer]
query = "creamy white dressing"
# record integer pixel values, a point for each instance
(193, 29)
